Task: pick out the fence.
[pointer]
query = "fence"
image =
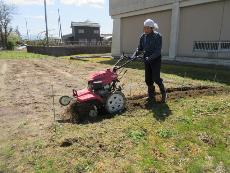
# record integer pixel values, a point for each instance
(68, 50)
(71, 43)
(218, 49)
(204, 46)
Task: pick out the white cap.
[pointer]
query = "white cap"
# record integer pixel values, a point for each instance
(150, 23)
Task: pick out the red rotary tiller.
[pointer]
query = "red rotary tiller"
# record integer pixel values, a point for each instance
(103, 92)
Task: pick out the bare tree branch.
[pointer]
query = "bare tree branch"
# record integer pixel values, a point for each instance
(6, 16)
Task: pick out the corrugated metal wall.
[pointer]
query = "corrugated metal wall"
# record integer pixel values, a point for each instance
(203, 23)
(132, 28)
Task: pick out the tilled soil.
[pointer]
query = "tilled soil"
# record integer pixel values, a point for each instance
(139, 102)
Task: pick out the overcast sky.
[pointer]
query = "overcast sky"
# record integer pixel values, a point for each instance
(70, 10)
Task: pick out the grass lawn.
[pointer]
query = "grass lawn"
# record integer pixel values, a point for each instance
(189, 134)
(19, 55)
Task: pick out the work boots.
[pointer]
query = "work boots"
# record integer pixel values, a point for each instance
(163, 92)
(151, 93)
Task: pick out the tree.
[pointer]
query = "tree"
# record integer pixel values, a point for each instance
(6, 15)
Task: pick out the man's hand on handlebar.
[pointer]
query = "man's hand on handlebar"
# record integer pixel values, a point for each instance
(115, 69)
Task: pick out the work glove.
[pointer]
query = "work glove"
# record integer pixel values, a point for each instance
(147, 58)
(137, 53)
(140, 53)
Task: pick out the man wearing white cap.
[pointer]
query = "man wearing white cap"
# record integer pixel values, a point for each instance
(151, 44)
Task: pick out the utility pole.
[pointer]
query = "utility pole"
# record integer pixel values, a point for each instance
(47, 35)
(27, 32)
(59, 23)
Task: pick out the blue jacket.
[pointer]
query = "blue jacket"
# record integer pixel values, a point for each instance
(151, 44)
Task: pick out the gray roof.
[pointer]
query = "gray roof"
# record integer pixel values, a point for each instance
(89, 24)
(67, 35)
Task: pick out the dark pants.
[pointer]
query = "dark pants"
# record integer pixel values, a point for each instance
(152, 72)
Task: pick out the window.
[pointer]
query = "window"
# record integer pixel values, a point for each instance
(211, 46)
(96, 31)
(81, 31)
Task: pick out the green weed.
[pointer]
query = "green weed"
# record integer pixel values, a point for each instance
(165, 133)
(84, 166)
(137, 135)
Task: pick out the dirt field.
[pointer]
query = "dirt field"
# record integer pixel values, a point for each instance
(26, 109)
(26, 92)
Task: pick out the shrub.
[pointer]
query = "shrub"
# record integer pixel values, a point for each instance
(10, 45)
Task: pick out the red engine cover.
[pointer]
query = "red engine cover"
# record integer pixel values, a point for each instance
(106, 76)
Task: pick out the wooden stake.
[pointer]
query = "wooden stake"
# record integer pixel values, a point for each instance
(53, 103)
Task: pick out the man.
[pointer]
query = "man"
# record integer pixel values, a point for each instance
(151, 44)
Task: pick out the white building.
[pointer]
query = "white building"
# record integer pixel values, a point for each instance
(195, 31)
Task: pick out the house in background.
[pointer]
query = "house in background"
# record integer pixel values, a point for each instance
(84, 32)
(193, 31)
(68, 38)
